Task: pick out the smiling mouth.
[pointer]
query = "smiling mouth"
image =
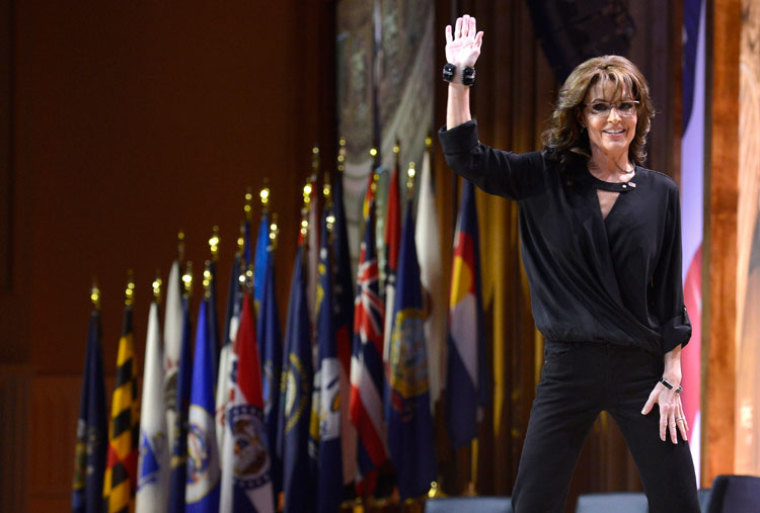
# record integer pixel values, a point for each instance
(614, 132)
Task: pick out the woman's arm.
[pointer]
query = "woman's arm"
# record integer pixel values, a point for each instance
(462, 50)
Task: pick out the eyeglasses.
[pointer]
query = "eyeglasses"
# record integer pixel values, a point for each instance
(624, 108)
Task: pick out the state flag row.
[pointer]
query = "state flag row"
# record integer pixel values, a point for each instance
(338, 408)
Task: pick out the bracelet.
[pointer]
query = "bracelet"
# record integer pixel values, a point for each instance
(468, 76)
(669, 385)
(450, 72)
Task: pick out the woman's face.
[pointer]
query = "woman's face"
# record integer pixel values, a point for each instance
(610, 119)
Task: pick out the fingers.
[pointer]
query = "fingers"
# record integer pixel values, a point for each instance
(479, 39)
(466, 26)
(650, 403)
(673, 428)
(449, 37)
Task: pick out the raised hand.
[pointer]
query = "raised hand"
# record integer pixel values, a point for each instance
(463, 46)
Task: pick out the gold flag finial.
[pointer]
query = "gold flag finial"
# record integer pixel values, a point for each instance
(341, 154)
(187, 279)
(249, 277)
(95, 294)
(248, 206)
(274, 232)
(181, 245)
(207, 277)
(264, 195)
(241, 240)
(213, 243)
(410, 174)
(156, 286)
(373, 153)
(315, 159)
(129, 293)
(428, 142)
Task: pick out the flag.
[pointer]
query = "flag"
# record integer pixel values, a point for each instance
(295, 405)
(392, 244)
(212, 318)
(428, 244)
(325, 440)
(410, 423)
(223, 384)
(367, 378)
(466, 381)
(269, 335)
(246, 480)
(120, 479)
(692, 200)
(178, 476)
(260, 262)
(344, 326)
(172, 344)
(203, 472)
(92, 434)
(153, 462)
(312, 249)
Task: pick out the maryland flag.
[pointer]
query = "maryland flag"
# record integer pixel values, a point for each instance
(120, 482)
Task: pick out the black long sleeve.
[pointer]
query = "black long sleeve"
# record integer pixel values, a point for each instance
(615, 279)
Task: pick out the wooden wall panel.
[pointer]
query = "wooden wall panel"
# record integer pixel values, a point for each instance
(14, 411)
(720, 239)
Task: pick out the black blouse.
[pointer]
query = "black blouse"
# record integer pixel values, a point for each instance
(615, 279)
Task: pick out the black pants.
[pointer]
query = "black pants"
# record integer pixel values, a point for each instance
(578, 381)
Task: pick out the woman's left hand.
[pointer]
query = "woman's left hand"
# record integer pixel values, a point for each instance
(672, 418)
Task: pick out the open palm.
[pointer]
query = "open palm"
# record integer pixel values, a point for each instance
(463, 46)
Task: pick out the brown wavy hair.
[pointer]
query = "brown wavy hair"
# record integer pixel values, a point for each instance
(565, 140)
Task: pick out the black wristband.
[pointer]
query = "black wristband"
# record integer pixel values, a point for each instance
(449, 72)
(669, 385)
(468, 76)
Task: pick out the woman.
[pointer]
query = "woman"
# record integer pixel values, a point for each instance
(601, 246)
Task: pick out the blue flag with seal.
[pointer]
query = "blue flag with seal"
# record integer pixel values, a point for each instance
(203, 472)
(467, 377)
(297, 379)
(325, 430)
(178, 476)
(410, 424)
(92, 434)
(269, 336)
